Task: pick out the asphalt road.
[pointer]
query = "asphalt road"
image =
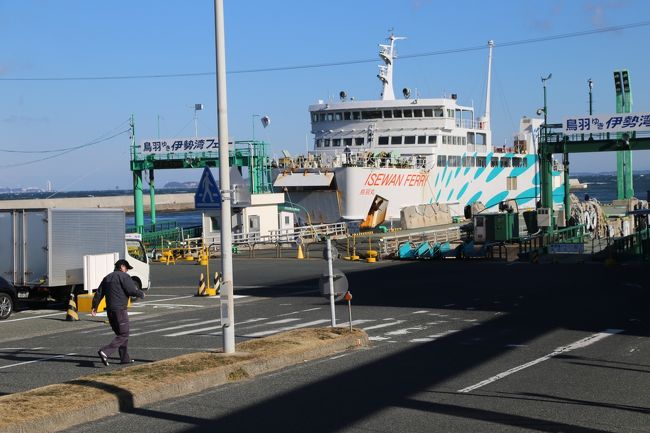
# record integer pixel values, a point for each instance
(456, 346)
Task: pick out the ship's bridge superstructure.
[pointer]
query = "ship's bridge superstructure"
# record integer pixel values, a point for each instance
(408, 127)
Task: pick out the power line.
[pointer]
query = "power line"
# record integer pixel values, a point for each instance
(340, 63)
(65, 149)
(71, 149)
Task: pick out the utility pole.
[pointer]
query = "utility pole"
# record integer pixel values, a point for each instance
(227, 300)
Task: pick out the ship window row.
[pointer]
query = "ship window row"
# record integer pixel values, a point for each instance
(479, 161)
(385, 140)
(338, 142)
(382, 114)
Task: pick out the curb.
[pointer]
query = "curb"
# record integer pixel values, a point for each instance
(102, 395)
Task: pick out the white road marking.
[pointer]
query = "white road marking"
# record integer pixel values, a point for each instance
(298, 312)
(171, 328)
(103, 313)
(279, 322)
(354, 323)
(420, 312)
(36, 360)
(286, 328)
(163, 300)
(209, 328)
(433, 337)
(560, 350)
(60, 313)
(377, 338)
(339, 356)
(169, 305)
(383, 325)
(405, 331)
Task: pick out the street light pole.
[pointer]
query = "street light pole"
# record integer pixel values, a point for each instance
(253, 116)
(227, 301)
(197, 107)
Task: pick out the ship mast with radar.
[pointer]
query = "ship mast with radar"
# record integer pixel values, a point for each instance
(387, 54)
(485, 120)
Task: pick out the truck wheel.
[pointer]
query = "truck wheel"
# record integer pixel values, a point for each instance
(137, 283)
(6, 306)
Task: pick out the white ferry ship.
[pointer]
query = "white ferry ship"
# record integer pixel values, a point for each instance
(410, 151)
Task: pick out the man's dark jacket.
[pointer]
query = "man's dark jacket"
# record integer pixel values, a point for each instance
(117, 287)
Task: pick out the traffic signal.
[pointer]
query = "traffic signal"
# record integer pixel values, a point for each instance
(626, 81)
(618, 82)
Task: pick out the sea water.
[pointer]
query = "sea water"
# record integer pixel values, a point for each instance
(599, 186)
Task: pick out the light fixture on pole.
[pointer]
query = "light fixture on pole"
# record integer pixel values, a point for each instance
(197, 107)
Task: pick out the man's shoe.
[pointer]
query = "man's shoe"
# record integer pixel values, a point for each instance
(128, 362)
(103, 357)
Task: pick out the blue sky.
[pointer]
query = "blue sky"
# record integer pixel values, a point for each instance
(77, 38)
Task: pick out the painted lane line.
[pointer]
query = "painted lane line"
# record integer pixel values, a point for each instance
(433, 337)
(164, 300)
(420, 312)
(560, 350)
(405, 331)
(193, 331)
(210, 328)
(298, 312)
(60, 313)
(383, 325)
(103, 313)
(36, 360)
(281, 321)
(286, 328)
(171, 328)
(377, 338)
(354, 323)
(168, 305)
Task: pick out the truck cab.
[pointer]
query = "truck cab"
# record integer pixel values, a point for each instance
(136, 255)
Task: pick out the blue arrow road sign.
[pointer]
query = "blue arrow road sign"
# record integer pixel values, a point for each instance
(207, 194)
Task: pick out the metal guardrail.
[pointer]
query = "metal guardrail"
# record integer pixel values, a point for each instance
(538, 243)
(276, 238)
(636, 244)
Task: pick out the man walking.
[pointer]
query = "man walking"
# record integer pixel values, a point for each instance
(117, 287)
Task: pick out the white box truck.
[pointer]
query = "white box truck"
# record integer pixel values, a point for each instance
(42, 250)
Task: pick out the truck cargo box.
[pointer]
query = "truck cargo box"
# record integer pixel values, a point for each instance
(45, 247)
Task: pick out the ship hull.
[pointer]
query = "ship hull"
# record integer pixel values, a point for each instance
(455, 186)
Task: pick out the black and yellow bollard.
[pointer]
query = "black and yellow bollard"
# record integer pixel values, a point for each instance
(217, 284)
(201, 290)
(72, 315)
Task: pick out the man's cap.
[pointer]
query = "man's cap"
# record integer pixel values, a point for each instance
(121, 262)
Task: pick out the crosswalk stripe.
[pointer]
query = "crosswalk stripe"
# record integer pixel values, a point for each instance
(383, 325)
(405, 331)
(279, 322)
(211, 328)
(286, 328)
(354, 322)
(171, 328)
